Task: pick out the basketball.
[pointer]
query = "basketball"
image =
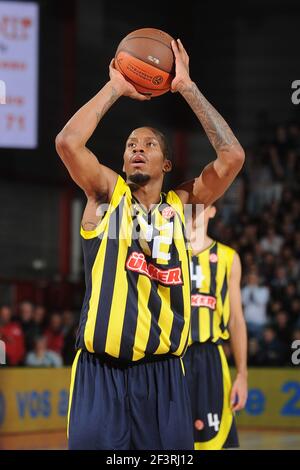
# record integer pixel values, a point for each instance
(146, 60)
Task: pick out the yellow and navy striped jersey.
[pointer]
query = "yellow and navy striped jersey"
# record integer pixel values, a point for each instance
(210, 272)
(137, 300)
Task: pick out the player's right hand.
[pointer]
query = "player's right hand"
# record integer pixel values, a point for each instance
(123, 86)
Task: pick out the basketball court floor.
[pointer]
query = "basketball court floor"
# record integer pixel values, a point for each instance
(249, 440)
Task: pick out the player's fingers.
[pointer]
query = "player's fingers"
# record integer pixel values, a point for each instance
(233, 397)
(182, 50)
(175, 48)
(140, 97)
(237, 407)
(181, 47)
(112, 64)
(242, 402)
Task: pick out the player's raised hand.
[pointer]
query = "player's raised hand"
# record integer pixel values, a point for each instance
(182, 73)
(123, 86)
(239, 393)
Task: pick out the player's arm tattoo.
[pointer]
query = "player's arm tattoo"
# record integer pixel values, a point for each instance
(113, 97)
(216, 128)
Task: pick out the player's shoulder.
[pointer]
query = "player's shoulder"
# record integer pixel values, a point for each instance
(173, 196)
(173, 200)
(226, 250)
(121, 187)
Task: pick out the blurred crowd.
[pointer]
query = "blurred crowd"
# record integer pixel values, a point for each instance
(259, 216)
(37, 338)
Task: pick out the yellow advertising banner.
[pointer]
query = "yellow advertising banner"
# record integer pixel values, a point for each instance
(37, 399)
(33, 399)
(273, 399)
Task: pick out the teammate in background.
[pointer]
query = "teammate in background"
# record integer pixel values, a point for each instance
(135, 317)
(216, 315)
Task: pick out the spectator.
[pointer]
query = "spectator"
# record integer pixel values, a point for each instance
(271, 242)
(296, 335)
(280, 279)
(255, 299)
(12, 335)
(259, 178)
(289, 294)
(268, 267)
(272, 351)
(295, 311)
(297, 244)
(39, 320)
(283, 328)
(253, 351)
(25, 319)
(293, 269)
(294, 137)
(69, 330)
(232, 202)
(67, 320)
(41, 356)
(53, 334)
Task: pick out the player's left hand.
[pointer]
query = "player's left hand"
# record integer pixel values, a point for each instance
(239, 393)
(182, 74)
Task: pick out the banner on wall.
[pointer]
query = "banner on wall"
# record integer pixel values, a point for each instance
(33, 399)
(19, 26)
(273, 399)
(37, 399)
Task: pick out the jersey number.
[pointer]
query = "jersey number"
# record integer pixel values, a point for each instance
(197, 275)
(160, 240)
(213, 421)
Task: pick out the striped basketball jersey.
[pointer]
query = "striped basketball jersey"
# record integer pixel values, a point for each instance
(210, 272)
(137, 300)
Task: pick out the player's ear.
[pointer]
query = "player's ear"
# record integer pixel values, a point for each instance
(167, 166)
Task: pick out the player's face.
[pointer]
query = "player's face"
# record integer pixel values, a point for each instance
(143, 155)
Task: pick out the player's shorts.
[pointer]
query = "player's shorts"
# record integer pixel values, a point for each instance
(209, 385)
(142, 406)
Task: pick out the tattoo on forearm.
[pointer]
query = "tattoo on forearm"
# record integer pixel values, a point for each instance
(107, 105)
(216, 128)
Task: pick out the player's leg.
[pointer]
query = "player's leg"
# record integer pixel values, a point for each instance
(209, 391)
(232, 440)
(98, 418)
(159, 406)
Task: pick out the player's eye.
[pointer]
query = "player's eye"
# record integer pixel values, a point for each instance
(151, 144)
(130, 144)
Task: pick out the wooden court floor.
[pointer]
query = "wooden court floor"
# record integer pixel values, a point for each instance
(249, 440)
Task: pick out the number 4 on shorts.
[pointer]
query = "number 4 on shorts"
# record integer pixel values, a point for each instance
(213, 421)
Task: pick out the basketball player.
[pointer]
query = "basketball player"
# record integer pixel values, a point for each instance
(216, 314)
(135, 316)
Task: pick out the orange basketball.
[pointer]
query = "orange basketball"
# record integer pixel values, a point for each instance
(146, 60)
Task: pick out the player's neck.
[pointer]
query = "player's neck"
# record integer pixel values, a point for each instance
(200, 245)
(148, 195)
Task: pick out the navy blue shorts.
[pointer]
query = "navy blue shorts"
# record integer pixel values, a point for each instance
(132, 407)
(209, 385)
